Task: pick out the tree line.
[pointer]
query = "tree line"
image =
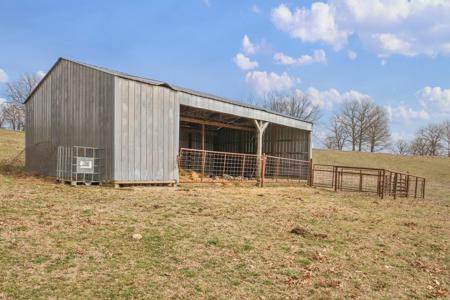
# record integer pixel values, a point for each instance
(362, 125)
(12, 112)
(431, 140)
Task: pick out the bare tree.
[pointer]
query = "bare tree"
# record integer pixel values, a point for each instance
(337, 137)
(2, 114)
(293, 104)
(401, 147)
(14, 114)
(16, 94)
(349, 118)
(428, 140)
(419, 146)
(377, 132)
(446, 135)
(363, 120)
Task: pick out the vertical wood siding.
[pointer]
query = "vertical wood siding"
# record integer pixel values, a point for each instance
(73, 106)
(146, 132)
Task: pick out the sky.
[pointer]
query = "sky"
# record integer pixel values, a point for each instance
(394, 52)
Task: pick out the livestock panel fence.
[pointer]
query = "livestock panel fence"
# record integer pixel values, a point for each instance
(381, 182)
(214, 166)
(207, 166)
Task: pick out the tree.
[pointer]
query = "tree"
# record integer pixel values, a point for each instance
(401, 147)
(419, 146)
(16, 94)
(349, 118)
(337, 137)
(446, 135)
(2, 114)
(295, 104)
(428, 140)
(15, 115)
(377, 131)
(364, 113)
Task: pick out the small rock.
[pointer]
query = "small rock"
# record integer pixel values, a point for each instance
(137, 236)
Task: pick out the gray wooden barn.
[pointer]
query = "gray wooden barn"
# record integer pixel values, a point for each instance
(141, 124)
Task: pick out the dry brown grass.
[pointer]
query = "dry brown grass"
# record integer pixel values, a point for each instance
(206, 241)
(436, 170)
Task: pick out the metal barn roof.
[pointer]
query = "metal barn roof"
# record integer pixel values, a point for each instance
(171, 86)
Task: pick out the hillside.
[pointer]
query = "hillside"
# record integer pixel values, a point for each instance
(218, 242)
(436, 170)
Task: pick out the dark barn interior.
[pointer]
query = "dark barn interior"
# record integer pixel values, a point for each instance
(207, 130)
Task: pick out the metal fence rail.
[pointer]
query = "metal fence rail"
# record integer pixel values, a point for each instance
(213, 166)
(381, 182)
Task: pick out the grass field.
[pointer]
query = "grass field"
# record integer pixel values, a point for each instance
(222, 242)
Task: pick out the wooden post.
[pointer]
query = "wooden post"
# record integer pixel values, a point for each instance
(383, 183)
(203, 137)
(263, 169)
(260, 127)
(311, 173)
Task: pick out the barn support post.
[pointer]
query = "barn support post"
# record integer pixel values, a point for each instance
(311, 173)
(260, 128)
(203, 137)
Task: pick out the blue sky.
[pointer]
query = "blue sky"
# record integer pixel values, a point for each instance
(395, 52)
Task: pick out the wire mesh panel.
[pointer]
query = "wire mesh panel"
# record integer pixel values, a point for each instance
(323, 176)
(358, 179)
(279, 168)
(79, 164)
(213, 166)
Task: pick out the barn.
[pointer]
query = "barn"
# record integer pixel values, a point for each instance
(141, 124)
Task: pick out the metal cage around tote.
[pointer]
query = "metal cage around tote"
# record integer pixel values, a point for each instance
(80, 165)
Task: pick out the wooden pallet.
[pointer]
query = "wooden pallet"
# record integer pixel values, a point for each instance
(119, 184)
(78, 183)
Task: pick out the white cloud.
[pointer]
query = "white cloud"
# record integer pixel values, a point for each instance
(264, 82)
(255, 9)
(3, 76)
(352, 55)
(328, 98)
(244, 63)
(248, 47)
(403, 112)
(317, 24)
(319, 56)
(40, 74)
(2, 101)
(391, 44)
(387, 27)
(435, 99)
